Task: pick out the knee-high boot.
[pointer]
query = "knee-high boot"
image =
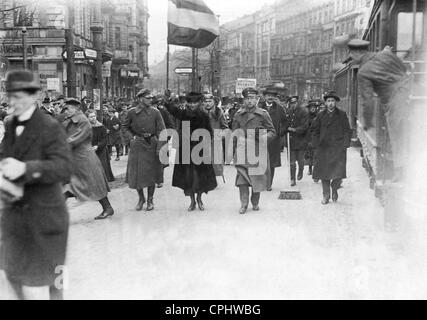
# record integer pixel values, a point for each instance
(255, 200)
(141, 200)
(150, 204)
(244, 198)
(192, 206)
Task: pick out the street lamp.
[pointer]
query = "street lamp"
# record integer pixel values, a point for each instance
(24, 47)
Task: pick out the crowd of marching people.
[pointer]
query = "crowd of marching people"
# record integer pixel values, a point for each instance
(55, 150)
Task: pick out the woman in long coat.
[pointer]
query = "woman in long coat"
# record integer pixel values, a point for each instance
(99, 143)
(331, 138)
(88, 181)
(192, 178)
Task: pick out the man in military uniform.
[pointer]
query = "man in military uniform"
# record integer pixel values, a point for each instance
(383, 73)
(252, 119)
(144, 123)
(297, 119)
(278, 117)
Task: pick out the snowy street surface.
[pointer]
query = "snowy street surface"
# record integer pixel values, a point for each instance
(288, 250)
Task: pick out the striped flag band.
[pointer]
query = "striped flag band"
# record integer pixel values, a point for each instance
(191, 24)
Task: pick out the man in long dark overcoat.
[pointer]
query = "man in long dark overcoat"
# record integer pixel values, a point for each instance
(278, 117)
(331, 138)
(34, 229)
(297, 119)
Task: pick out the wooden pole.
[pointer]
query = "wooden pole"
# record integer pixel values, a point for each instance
(193, 72)
(167, 68)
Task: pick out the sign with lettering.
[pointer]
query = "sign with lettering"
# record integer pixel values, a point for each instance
(184, 71)
(91, 53)
(53, 84)
(97, 99)
(242, 84)
(133, 74)
(106, 69)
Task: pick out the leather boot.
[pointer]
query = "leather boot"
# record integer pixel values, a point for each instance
(200, 202)
(300, 172)
(141, 200)
(107, 209)
(255, 200)
(244, 198)
(150, 204)
(310, 170)
(192, 206)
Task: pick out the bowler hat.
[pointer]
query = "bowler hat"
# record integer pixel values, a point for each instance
(331, 94)
(248, 91)
(194, 97)
(21, 80)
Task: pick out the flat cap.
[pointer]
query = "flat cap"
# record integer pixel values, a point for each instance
(331, 94)
(248, 91)
(358, 44)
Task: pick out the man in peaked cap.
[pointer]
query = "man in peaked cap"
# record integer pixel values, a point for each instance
(331, 138)
(297, 121)
(252, 121)
(35, 154)
(384, 73)
(144, 124)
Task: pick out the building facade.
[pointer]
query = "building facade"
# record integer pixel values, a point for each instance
(46, 24)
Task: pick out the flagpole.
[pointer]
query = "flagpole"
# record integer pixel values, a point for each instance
(193, 74)
(167, 68)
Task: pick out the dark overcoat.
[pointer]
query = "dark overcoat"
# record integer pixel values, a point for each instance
(191, 177)
(278, 117)
(331, 138)
(144, 167)
(114, 137)
(34, 231)
(298, 119)
(88, 181)
(99, 139)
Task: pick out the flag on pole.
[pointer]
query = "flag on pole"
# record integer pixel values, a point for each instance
(191, 24)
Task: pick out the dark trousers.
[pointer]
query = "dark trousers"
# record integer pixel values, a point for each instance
(327, 185)
(296, 156)
(271, 176)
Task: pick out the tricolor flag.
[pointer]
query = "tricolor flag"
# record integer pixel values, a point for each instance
(191, 24)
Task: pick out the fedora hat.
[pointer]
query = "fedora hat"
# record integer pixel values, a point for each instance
(19, 80)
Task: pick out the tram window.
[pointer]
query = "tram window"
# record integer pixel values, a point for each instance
(404, 33)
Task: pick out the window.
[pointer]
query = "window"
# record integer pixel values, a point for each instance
(404, 33)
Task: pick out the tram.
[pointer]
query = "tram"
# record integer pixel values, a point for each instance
(401, 25)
